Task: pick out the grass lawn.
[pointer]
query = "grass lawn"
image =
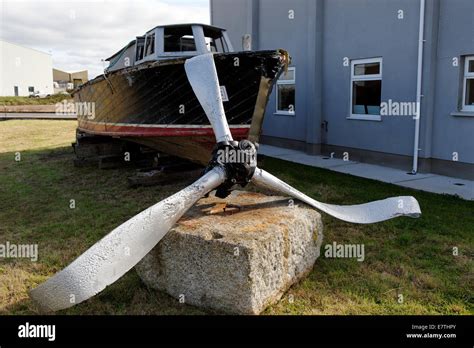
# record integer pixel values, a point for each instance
(51, 100)
(411, 257)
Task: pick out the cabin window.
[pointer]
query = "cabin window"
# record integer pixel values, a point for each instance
(286, 93)
(211, 45)
(31, 90)
(150, 44)
(366, 89)
(140, 49)
(217, 45)
(468, 89)
(177, 40)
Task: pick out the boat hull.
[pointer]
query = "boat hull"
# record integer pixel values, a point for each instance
(153, 103)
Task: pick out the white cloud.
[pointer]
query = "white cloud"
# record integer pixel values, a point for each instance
(79, 34)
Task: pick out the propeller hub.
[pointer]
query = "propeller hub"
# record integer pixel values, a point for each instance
(239, 160)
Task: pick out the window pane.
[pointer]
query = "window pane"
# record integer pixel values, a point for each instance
(367, 69)
(140, 48)
(219, 45)
(366, 97)
(286, 98)
(150, 44)
(289, 76)
(179, 40)
(179, 44)
(216, 44)
(470, 92)
(471, 66)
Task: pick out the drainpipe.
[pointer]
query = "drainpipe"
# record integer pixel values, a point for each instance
(421, 42)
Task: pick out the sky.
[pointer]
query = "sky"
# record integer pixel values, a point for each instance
(79, 34)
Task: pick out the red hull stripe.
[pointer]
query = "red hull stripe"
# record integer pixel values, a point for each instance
(131, 131)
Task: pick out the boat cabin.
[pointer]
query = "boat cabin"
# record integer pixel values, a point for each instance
(171, 41)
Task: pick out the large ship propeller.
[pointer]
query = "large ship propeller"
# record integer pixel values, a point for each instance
(120, 250)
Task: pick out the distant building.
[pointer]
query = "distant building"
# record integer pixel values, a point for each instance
(64, 81)
(24, 70)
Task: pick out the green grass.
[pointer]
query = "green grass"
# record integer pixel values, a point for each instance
(412, 257)
(405, 256)
(51, 100)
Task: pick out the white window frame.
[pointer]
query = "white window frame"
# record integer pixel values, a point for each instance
(286, 82)
(355, 78)
(467, 76)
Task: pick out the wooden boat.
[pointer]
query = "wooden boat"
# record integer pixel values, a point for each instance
(144, 96)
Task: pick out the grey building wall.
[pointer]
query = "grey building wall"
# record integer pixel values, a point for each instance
(456, 39)
(271, 28)
(239, 16)
(324, 32)
(276, 30)
(369, 29)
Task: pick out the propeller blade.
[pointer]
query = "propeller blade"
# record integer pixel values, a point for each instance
(202, 75)
(120, 250)
(360, 214)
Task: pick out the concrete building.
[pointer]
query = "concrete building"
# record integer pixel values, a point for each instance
(356, 78)
(24, 70)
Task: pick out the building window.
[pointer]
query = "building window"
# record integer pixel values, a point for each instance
(285, 97)
(366, 89)
(468, 90)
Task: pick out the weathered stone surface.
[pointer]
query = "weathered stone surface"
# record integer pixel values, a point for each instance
(235, 261)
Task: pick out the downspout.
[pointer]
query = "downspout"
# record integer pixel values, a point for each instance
(421, 42)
